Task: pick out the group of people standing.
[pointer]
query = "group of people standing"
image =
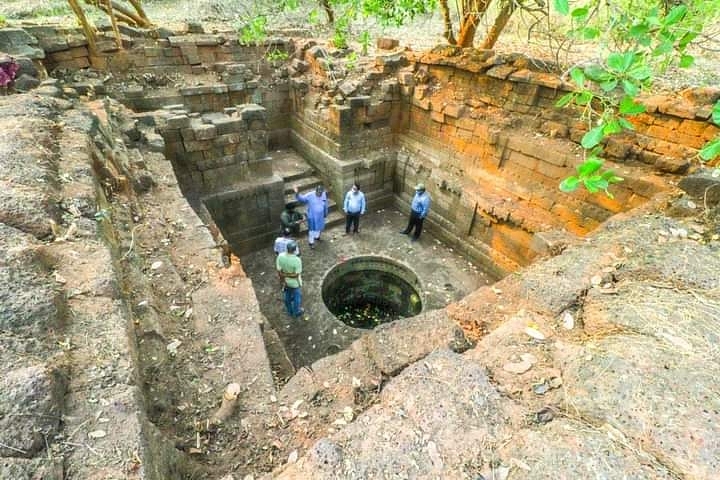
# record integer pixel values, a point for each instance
(288, 263)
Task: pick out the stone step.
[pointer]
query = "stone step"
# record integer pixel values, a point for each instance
(302, 208)
(304, 183)
(334, 218)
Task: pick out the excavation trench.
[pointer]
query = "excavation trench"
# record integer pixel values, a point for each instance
(370, 278)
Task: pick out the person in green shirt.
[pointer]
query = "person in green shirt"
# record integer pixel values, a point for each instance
(291, 219)
(289, 268)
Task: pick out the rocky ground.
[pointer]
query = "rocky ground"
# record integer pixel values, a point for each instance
(120, 324)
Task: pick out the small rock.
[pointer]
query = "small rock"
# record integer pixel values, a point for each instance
(293, 457)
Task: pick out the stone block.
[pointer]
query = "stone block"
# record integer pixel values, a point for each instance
(672, 164)
(436, 116)
(227, 139)
(249, 112)
(553, 171)
(385, 43)
(679, 109)
(453, 110)
(35, 394)
(197, 145)
(205, 132)
(178, 122)
(359, 101)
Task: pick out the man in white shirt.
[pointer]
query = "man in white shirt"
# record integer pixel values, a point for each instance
(281, 243)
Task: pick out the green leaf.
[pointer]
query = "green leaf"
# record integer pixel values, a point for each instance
(578, 77)
(686, 39)
(637, 31)
(716, 113)
(610, 177)
(595, 184)
(663, 48)
(711, 149)
(570, 184)
(686, 61)
(596, 73)
(584, 98)
(675, 15)
(630, 88)
(590, 33)
(626, 124)
(562, 6)
(640, 72)
(589, 166)
(609, 86)
(628, 106)
(579, 13)
(565, 100)
(314, 17)
(616, 61)
(612, 127)
(593, 137)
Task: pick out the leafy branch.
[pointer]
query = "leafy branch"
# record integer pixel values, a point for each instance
(606, 92)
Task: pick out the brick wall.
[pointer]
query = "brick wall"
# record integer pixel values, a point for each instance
(484, 135)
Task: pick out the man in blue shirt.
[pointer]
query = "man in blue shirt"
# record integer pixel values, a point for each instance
(419, 209)
(354, 206)
(317, 212)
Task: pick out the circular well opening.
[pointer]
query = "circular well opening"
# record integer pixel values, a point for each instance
(364, 292)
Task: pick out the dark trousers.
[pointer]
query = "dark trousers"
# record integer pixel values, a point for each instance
(352, 219)
(416, 222)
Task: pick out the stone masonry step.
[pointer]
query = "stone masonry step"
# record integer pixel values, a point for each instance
(304, 184)
(332, 204)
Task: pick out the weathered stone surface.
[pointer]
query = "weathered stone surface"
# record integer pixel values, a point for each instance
(385, 43)
(654, 395)
(31, 469)
(25, 83)
(395, 345)
(26, 200)
(31, 400)
(702, 185)
(415, 436)
(250, 112)
(29, 298)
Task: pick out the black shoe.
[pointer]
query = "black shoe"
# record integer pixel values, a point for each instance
(404, 232)
(414, 239)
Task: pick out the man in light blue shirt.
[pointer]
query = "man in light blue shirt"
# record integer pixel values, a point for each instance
(419, 209)
(354, 206)
(317, 212)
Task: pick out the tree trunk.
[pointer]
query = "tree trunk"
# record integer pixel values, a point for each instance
(87, 29)
(141, 13)
(139, 18)
(328, 11)
(113, 22)
(473, 11)
(502, 19)
(447, 23)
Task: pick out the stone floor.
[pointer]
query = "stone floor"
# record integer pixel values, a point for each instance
(444, 275)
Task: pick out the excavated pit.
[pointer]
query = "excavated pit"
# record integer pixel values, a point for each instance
(337, 271)
(195, 325)
(365, 292)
